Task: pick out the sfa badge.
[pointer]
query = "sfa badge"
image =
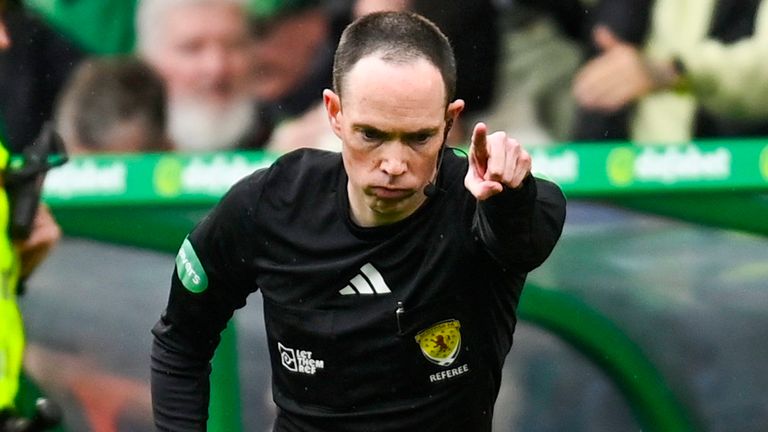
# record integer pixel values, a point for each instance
(440, 343)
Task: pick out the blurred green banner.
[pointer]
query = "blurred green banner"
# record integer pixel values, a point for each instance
(588, 171)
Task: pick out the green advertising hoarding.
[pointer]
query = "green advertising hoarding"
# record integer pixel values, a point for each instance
(596, 170)
(583, 171)
(723, 183)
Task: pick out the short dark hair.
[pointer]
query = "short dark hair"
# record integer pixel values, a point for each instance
(104, 92)
(397, 37)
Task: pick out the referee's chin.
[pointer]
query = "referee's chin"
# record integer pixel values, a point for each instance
(385, 210)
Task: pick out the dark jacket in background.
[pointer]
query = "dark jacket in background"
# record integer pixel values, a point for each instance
(32, 72)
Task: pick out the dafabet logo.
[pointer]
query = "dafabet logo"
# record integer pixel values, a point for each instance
(621, 166)
(668, 165)
(764, 163)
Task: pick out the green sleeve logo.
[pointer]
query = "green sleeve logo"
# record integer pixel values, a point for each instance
(190, 270)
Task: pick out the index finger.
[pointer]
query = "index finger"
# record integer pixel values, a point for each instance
(479, 141)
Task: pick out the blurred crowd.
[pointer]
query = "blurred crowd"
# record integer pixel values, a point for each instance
(209, 75)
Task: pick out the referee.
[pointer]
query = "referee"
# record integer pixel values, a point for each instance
(390, 272)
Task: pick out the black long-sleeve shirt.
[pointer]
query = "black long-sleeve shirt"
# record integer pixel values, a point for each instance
(390, 328)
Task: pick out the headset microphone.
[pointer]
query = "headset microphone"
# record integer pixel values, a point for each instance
(431, 189)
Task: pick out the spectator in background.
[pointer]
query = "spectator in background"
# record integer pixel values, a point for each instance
(703, 72)
(364, 7)
(628, 20)
(114, 105)
(45, 232)
(292, 51)
(200, 48)
(471, 26)
(18, 258)
(544, 42)
(32, 71)
(5, 39)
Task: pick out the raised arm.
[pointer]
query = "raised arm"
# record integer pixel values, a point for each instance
(519, 218)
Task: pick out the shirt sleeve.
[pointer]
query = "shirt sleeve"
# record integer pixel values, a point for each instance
(731, 78)
(210, 281)
(520, 227)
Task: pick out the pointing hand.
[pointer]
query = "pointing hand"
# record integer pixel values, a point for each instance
(495, 161)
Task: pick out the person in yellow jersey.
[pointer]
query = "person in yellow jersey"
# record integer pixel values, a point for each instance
(18, 258)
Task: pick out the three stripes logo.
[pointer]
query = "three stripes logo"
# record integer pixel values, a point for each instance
(367, 282)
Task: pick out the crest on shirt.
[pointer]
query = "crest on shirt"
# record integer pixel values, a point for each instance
(441, 342)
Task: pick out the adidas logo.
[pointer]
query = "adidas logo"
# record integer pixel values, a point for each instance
(369, 281)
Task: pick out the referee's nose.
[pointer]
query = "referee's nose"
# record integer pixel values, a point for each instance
(393, 160)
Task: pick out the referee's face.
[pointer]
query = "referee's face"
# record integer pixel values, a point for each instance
(392, 122)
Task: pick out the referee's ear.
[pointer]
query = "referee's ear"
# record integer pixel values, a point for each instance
(332, 103)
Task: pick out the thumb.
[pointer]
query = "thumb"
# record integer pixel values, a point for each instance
(481, 189)
(605, 38)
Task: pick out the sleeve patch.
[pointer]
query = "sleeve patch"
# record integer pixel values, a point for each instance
(190, 270)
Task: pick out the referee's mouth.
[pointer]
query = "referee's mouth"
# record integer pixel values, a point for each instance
(388, 193)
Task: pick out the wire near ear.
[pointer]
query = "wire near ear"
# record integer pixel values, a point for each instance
(448, 126)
